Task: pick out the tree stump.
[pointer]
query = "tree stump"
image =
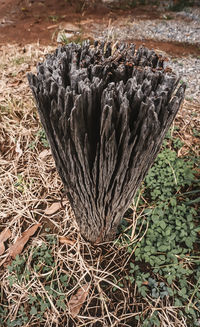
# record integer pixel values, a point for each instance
(105, 110)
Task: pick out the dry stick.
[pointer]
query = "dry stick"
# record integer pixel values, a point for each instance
(173, 172)
(47, 295)
(75, 287)
(135, 247)
(134, 215)
(99, 279)
(196, 288)
(104, 303)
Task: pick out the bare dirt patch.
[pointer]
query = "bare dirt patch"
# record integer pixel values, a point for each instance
(25, 22)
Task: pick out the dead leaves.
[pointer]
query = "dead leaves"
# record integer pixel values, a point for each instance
(55, 207)
(44, 154)
(76, 301)
(5, 234)
(66, 240)
(18, 246)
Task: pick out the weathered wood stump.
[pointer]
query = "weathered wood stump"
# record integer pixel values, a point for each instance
(105, 112)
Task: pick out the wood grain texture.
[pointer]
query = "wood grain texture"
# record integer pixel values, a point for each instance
(105, 112)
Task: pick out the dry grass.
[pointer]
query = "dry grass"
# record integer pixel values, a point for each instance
(29, 182)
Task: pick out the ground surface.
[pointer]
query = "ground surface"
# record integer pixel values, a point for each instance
(36, 289)
(25, 21)
(172, 34)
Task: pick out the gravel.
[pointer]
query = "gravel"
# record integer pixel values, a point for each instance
(181, 27)
(190, 13)
(189, 70)
(163, 30)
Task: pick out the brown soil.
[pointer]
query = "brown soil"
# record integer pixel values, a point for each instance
(172, 48)
(30, 21)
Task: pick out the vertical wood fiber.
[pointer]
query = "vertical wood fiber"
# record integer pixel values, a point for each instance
(105, 113)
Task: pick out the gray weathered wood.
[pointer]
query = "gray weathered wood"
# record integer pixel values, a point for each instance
(105, 113)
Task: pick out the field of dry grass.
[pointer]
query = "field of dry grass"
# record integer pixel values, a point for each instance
(49, 271)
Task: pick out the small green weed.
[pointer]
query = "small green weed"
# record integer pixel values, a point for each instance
(196, 133)
(20, 183)
(40, 136)
(4, 108)
(189, 99)
(183, 82)
(54, 18)
(29, 271)
(18, 61)
(64, 39)
(168, 175)
(171, 230)
(167, 17)
(78, 39)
